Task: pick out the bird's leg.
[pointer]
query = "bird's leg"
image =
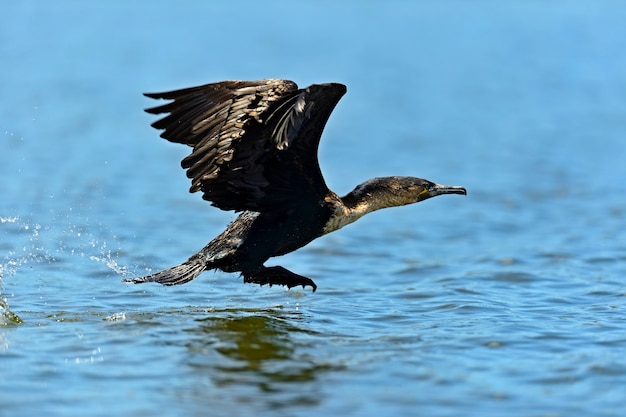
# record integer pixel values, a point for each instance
(277, 275)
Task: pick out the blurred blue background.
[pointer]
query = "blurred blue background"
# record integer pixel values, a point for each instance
(509, 301)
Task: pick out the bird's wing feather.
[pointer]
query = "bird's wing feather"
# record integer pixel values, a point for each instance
(254, 142)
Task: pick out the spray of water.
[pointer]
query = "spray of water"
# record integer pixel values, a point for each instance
(29, 243)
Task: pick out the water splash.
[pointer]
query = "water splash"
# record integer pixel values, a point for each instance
(7, 317)
(32, 249)
(28, 242)
(121, 316)
(26, 245)
(31, 252)
(112, 264)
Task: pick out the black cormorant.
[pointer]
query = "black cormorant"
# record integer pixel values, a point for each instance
(255, 151)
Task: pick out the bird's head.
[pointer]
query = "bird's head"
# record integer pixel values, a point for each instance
(379, 193)
(384, 192)
(418, 189)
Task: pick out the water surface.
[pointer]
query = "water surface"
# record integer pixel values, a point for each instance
(510, 301)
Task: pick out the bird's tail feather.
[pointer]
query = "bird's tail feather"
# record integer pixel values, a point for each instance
(176, 275)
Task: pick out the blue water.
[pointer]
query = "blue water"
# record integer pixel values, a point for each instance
(510, 301)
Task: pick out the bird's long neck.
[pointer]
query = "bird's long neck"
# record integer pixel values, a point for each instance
(370, 196)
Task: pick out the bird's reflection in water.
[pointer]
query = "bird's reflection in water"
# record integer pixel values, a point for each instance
(260, 350)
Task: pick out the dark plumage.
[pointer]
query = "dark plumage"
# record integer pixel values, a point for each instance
(255, 150)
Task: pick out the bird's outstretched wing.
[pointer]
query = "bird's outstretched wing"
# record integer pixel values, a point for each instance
(254, 142)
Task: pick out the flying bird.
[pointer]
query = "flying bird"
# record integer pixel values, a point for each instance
(255, 151)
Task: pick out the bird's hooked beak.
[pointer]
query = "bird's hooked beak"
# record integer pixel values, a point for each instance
(438, 189)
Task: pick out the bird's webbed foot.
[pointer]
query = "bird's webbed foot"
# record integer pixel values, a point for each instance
(277, 275)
